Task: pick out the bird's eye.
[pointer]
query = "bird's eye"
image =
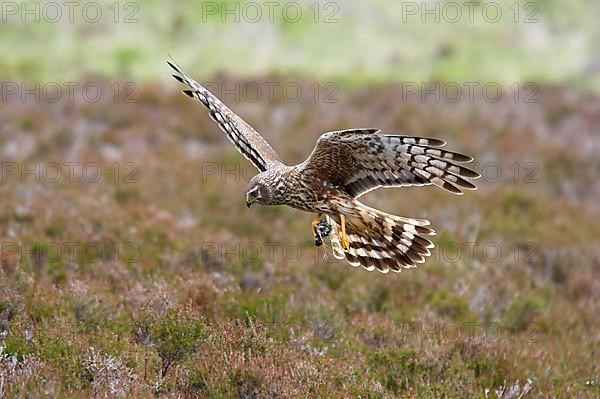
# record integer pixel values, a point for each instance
(255, 192)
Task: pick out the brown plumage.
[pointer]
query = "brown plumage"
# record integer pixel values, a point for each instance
(343, 166)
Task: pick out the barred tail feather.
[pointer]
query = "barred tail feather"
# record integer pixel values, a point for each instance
(380, 241)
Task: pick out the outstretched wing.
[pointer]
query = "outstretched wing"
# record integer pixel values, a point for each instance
(361, 160)
(247, 140)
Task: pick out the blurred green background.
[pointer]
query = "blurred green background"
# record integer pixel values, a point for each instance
(354, 42)
(197, 298)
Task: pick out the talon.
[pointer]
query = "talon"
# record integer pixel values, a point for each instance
(314, 223)
(344, 239)
(345, 243)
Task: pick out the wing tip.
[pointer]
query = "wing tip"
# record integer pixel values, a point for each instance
(173, 64)
(462, 158)
(433, 142)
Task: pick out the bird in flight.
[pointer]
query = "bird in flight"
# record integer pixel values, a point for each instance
(344, 165)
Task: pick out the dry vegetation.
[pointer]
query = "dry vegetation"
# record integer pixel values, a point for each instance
(165, 284)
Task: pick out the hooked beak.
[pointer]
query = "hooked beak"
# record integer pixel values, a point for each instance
(249, 200)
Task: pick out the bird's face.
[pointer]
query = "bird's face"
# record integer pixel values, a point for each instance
(257, 192)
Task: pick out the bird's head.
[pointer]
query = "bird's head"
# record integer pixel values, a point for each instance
(258, 191)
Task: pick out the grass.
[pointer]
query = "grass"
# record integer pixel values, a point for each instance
(193, 295)
(532, 41)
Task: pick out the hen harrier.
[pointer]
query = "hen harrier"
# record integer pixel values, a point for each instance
(343, 166)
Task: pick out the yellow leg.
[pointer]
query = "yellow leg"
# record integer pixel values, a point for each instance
(314, 223)
(344, 239)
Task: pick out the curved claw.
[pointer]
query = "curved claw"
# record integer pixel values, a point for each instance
(345, 242)
(344, 238)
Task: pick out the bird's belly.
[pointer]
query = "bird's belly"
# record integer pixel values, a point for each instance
(311, 203)
(311, 194)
